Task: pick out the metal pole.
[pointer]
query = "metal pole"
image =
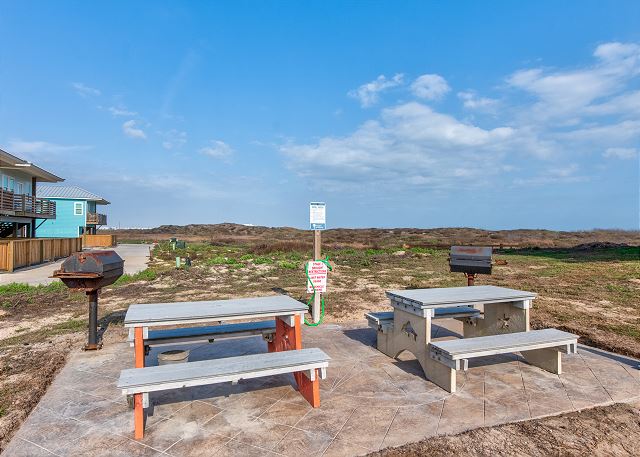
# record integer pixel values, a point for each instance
(93, 321)
(317, 249)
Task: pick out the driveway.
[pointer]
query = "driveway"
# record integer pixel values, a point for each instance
(135, 258)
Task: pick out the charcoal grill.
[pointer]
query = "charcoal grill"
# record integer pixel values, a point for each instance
(88, 272)
(470, 260)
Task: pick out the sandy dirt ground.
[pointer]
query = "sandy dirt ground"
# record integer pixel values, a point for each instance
(605, 431)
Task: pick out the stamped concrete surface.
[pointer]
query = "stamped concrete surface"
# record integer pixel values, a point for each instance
(136, 257)
(369, 401)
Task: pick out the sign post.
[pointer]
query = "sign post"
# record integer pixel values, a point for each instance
(317, 223)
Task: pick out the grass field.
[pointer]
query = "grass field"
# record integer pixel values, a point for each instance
(592, 290)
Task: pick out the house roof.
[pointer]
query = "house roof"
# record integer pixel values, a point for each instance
(11, 162)
(69, 192)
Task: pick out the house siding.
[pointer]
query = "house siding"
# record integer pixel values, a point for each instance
(18, 178)
(66, 224)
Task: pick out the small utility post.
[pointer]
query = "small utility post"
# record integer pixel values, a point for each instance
(317, 223)
(317, 255)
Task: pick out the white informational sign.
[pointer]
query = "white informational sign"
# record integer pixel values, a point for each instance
(317, 215)
(318, 274)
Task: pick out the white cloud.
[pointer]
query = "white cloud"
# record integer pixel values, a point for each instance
(121, 110)
(545, 137)
(132, 131)
(217, 149)
(173, 139)
(18, 146)
(368, 94)
(568, 94)
(85, 91)
(471, 100)
(621, 153)
(410, 145)
(430, 87)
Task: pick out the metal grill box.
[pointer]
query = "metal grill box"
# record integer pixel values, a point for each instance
(470, 259)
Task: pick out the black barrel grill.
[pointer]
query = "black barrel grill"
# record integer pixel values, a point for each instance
(89, 272)
(470, 260)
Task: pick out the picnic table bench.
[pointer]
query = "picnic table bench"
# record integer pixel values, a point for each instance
(491, 317)
(282, 332)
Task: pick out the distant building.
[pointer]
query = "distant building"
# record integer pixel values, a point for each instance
(19, 206)
(76, 212)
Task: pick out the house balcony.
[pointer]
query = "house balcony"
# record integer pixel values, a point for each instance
(12, 204)
(96, 219)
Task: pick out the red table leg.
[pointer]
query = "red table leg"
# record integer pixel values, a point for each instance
(289, 338)
(138, 410)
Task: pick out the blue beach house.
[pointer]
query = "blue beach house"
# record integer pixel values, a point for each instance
(76, 212)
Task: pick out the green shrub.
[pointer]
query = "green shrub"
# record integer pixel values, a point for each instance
(144, 275)
(288, 265)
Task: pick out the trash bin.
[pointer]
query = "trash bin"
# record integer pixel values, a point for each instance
(171, 357)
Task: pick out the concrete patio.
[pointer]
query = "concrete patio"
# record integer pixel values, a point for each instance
(369, 401)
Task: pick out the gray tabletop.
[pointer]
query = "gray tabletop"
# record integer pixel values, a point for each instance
(154, 314)
(457, 296)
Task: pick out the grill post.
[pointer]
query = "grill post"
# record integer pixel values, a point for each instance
(92, 344)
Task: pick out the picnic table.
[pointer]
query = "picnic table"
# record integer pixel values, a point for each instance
(286, 311)
(284, 343)
(495, 318)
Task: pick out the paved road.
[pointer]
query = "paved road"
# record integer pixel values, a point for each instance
(135, 258)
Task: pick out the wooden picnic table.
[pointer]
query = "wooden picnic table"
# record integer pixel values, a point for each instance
(286, 311)
(505, 311)
(307, 365)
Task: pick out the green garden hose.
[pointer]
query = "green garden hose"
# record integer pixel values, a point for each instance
(313, 295)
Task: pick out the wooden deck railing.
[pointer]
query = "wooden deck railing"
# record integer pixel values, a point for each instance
(96, 219)
(17, 253)
(99, 241)
(26, 205)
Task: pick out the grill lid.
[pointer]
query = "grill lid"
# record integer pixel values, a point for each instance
(470, 259)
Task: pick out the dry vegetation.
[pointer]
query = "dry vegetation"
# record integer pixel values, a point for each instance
(608, 431)
(591, 290)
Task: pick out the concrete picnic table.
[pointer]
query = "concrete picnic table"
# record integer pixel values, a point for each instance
(505, 311)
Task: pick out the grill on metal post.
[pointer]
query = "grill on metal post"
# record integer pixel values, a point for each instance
(89, 272)
(470, 260)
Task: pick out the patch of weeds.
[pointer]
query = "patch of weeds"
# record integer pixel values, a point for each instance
(3, 411)
(246, 257)
(262, 260)
(630, 330)
(21, 288)
(372, 252)
(144, 275)
(288, 265)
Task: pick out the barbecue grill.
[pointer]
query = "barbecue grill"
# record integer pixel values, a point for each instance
(89, 272)
(470, 260)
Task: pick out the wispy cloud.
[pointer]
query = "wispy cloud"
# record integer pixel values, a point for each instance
(621, 153)
(430, 87)
(85, 91)
(131, 130)
(121, 110)
(368, 94)
(173, 139)
(217, 149)
(471, 100)
(19, 146)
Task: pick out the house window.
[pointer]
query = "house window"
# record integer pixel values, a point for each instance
(5, 182)
(11, 184)
(20, 189)
(78, 207)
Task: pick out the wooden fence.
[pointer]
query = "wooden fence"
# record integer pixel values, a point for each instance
(17, 253)
(99, 241)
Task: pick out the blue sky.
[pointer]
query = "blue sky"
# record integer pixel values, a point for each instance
(425, 114)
